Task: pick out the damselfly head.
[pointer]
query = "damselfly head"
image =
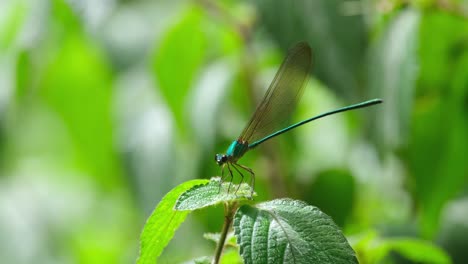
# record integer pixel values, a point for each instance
(221, 159)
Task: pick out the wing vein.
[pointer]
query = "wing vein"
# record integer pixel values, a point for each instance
(282, 95)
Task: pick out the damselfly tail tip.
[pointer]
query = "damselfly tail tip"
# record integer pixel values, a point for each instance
(373, 102)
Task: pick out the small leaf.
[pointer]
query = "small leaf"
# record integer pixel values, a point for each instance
(231, 256)
(230, 239)
(289, 231)
(202, 260)
(162, 224)
(208, 194)
(212, 236)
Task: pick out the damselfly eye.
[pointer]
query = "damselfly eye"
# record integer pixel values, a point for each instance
(220, 159)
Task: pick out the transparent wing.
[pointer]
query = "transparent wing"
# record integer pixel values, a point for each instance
(281, 98)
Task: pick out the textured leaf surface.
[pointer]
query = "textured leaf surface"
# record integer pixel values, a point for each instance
(208, 194)
(289, 231)
(162, 224)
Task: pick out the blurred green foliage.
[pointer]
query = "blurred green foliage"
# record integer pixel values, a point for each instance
(107, 105)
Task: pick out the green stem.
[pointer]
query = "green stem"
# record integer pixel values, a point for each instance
(229, 211)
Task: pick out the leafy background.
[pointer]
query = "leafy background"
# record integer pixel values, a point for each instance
(107, 105)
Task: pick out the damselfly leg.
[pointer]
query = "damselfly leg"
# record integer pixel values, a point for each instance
(252, 177)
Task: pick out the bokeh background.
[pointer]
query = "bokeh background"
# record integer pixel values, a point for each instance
(107, 105)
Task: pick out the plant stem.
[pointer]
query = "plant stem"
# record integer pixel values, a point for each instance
(229, 210)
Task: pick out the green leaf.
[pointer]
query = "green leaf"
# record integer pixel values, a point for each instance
(178, 60)
(212, 236)
(418, 251)
(231, 256)
(446, 34)
(371, 248)
(392, 74)
(210, 193)
(202, 260)
(24, 76)
(332, 181)
(443, 91)
(10, 25)
(335, 32)
(77, 87)
(289, 231)
(230, 238)
(162, 224)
